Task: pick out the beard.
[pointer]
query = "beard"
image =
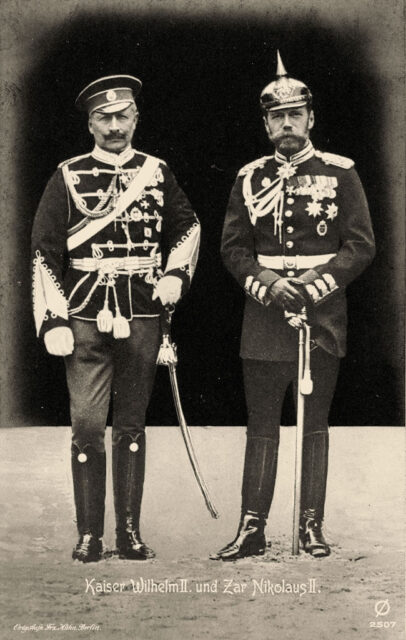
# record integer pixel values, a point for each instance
(288, 143)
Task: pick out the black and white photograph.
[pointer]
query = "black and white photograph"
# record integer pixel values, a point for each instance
(202, 319)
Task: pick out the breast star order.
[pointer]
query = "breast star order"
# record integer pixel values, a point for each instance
(331, 211)
(286, 171)
(314, 208)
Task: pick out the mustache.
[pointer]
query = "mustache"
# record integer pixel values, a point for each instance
(114, 136)
(291, 136)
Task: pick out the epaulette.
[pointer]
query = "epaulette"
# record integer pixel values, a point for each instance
(335, 159)
(255, 164)
(70, 160)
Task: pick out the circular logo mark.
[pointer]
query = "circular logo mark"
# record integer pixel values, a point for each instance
(382, 608)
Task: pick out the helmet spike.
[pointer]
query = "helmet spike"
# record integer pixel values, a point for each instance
(280, 70)
(284, 92)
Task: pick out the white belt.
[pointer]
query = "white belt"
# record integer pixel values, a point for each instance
(294, 262)
(120, 265)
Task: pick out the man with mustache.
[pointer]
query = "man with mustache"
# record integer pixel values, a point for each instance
(110, 213)
(297, 232)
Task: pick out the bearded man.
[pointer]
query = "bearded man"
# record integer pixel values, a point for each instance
(297, 232)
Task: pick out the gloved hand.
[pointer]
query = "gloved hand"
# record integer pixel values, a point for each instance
(168, 289)
(287, 295)
(59, 341)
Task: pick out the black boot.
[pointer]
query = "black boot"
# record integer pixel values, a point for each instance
(128, 481)
(314, 481)
(311, 535)
(261, 456)
(89, 485)
(249, 541)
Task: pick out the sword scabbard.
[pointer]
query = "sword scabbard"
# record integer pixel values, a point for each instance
(168, 357)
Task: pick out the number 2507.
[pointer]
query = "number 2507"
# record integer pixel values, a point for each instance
(379, 624)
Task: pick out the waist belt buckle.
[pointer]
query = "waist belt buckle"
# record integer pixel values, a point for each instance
(108, 267)
(290, 262)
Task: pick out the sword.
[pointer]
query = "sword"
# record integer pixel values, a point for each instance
(168, 357)
(304, 388)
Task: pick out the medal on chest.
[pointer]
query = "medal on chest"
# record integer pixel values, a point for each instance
(322, 228)
(319, 188)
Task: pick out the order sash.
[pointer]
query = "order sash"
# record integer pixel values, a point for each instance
(137, 186)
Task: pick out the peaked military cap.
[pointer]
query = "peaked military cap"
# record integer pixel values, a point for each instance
(284, 92)
(109, 94)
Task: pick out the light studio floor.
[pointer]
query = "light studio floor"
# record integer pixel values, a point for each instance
(356, 593)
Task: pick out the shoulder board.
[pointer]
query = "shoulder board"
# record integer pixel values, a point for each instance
(71, 160)
(255, 164)
(335, 159)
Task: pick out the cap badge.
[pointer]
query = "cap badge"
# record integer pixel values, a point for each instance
(283, 92)
(111, 95)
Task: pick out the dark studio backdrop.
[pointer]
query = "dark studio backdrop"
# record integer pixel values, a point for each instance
(202, 74)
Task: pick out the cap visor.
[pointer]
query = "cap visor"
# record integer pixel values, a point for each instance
(113, 107)
(287, 105)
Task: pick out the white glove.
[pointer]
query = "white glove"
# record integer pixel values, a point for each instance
(168, 290)
(59, 341)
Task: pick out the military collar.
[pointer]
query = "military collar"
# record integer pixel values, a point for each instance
(115, 159)
(305, 154)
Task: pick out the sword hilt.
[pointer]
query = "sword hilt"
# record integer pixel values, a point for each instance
(306, 382)
(166, 319)
(167, 351)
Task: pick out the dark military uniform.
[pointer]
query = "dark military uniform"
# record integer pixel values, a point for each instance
(304, 217)
(116, 266)
(122, 222)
